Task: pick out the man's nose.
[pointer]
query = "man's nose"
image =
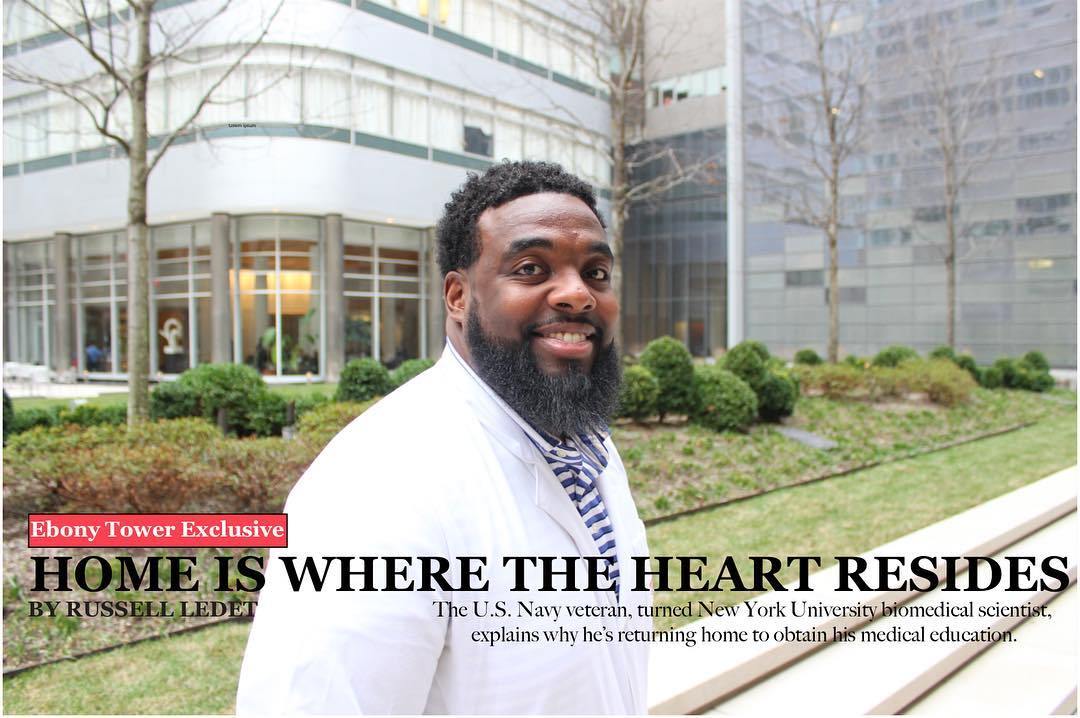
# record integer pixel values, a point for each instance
(571, 294)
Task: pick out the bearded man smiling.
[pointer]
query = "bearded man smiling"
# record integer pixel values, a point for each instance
(500, 450)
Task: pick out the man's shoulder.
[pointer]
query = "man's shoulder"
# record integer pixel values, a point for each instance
(405, 437)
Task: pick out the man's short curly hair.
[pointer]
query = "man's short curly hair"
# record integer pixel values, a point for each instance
(458, 243)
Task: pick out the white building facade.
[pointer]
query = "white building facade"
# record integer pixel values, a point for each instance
(292, 229)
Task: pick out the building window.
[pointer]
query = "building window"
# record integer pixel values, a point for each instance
(277, 286)
(384, 292)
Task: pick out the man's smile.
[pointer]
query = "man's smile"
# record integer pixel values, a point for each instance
(565, 340)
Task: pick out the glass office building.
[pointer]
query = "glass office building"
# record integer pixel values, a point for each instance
(1016, 253)
(675, 255)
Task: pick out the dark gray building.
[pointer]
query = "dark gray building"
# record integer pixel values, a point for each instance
(1016, 215)
(1016, 218)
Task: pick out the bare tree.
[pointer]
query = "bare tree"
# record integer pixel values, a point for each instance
(816, 117)
(954, 127)
(122, 45)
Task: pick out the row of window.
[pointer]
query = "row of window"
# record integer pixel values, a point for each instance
(515, 27)
(703, 83)
(276, 282)
(349, 93)
(510, 26)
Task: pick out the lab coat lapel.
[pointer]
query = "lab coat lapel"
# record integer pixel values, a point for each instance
(553, 499)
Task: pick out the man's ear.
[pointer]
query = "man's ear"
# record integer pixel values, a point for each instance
(456, 296)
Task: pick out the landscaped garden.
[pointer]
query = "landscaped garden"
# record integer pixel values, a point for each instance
(910, 440)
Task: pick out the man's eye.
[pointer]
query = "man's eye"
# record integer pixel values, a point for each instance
(529, 270)
(598, 273)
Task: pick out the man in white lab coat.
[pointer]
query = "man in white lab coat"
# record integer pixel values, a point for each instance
(501, 449)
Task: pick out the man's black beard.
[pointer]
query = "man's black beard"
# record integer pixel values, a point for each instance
(561, 404)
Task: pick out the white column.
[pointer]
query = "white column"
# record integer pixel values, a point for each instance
(736, 311)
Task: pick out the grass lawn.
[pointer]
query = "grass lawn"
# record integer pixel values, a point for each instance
(289, 391)
(677, 467)
(190, 673)
(854, 513)
(845, 515)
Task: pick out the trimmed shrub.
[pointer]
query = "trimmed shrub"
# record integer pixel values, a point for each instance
(943, 352)
(777, 396)
(836, 381)
(944, 382)
(9, 415)
(1031, 379)
(153, 467)
(91, 415)
(173, 400)
(992, 378)
(256, 474)
(26, 419)
(638, 393)
(308, 402)
(1036, 360)
(363, 379)
(967, 363)
(409, 369)
(1007, 368)
(744, 361)
(894, 355)
(758, 347)
(266, 414)
(809, 357)
(233, 387)
(318, 426)
(856, 361)
(669, 361)
(725, 402)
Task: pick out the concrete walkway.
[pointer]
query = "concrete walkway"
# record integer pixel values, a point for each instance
(50, 390)
(818, 675)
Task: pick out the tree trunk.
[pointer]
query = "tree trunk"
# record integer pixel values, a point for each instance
(138, 340)
(834, 274)
(950, 269)
(619, 183)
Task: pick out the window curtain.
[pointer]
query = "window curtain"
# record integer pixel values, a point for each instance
(447, 127)
(410, 117)
(371, 110)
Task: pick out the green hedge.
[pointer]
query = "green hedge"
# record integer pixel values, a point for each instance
(670, 362)
(363, 379)
(409, 369)
(638, 394)
(894, 355)
(725, 402)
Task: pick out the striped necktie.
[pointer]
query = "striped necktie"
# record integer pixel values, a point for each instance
(577, 463)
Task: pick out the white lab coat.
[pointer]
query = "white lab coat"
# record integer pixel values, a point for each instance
(438, 468)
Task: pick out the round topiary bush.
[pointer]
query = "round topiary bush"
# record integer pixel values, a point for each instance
(967, 363)
(1036, 360)
(991, 378)
(809, 357)
(232, 387)
(669, 361)
(725, 402)
(759, 348)
(777, 396)
(409, 369)
(894, 355)
(744, 361)
(1007, 368)
(363, 379)
(943, 352)
(638, 393)
(1031, 379)
(173, 400)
